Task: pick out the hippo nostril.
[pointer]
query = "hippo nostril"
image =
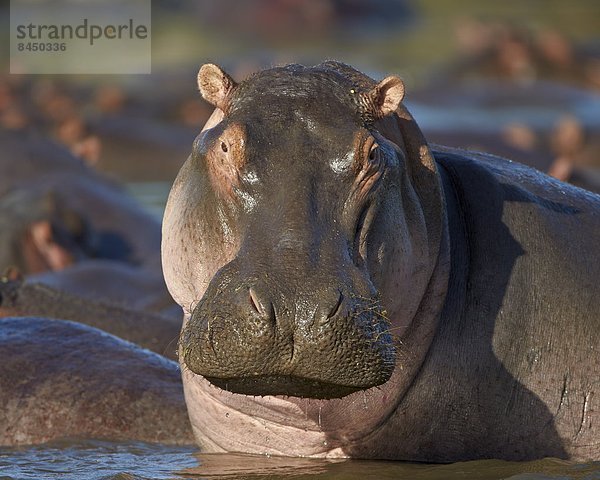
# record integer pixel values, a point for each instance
(261, 307)
(255, 301)
(333, 312)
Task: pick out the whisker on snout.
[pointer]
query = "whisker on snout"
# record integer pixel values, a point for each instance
(174, 340)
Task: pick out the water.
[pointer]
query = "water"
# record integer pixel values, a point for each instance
(131, 461)
(91, 459)
(474, 118)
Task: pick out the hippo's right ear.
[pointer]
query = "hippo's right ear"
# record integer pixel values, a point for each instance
(215, 85)
(387, 95)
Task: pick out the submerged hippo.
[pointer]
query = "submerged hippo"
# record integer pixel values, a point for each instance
(39, 232)
(351, 292)
(113, 282)
(63, 379)
(123, 231)
(154, 331)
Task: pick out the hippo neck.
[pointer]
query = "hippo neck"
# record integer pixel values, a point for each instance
(425, 179)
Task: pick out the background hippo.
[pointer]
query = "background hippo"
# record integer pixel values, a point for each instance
(349, 291)
(113, 282)
(63, 379)
(39, 232)
(154, 331)
(123, 230)
(76, 230)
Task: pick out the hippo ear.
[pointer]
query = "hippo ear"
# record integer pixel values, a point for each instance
(386, 96)
(215, 85)
(47, 252)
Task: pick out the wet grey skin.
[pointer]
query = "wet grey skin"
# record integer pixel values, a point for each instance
(151, 330)
(349, 291)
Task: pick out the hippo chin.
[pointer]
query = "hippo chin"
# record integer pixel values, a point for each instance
(351, 292)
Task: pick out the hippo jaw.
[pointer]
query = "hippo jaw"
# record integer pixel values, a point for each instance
(299, 382)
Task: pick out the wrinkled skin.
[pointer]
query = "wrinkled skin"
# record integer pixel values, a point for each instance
(149, 330)
(350, 292)
(60, 379)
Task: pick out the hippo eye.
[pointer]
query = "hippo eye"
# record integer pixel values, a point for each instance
(373, 152)
(224, 147)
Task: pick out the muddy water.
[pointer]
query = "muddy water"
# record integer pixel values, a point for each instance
(124, 461)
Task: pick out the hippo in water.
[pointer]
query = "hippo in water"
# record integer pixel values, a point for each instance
(62, 379)
(39, 232)
(154, 331)
(123, 231)
(350, 291)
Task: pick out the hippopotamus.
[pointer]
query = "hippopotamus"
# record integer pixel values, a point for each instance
(69, 227)
(62, 379)
(155, 331)
(351, 291)
(115, 283)
(123, 230)
(40, 233)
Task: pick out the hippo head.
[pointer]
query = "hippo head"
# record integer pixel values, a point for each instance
(41, 232)
(294, 236)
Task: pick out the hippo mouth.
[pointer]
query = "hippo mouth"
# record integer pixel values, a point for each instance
(245, 345)
(285, 385)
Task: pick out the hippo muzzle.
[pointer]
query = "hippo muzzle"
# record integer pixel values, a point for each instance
(288, 337)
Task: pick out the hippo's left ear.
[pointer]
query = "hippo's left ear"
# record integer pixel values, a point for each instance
(215, 85)
(386, 96)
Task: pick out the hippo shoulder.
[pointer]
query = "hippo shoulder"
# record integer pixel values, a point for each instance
(542, 232)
